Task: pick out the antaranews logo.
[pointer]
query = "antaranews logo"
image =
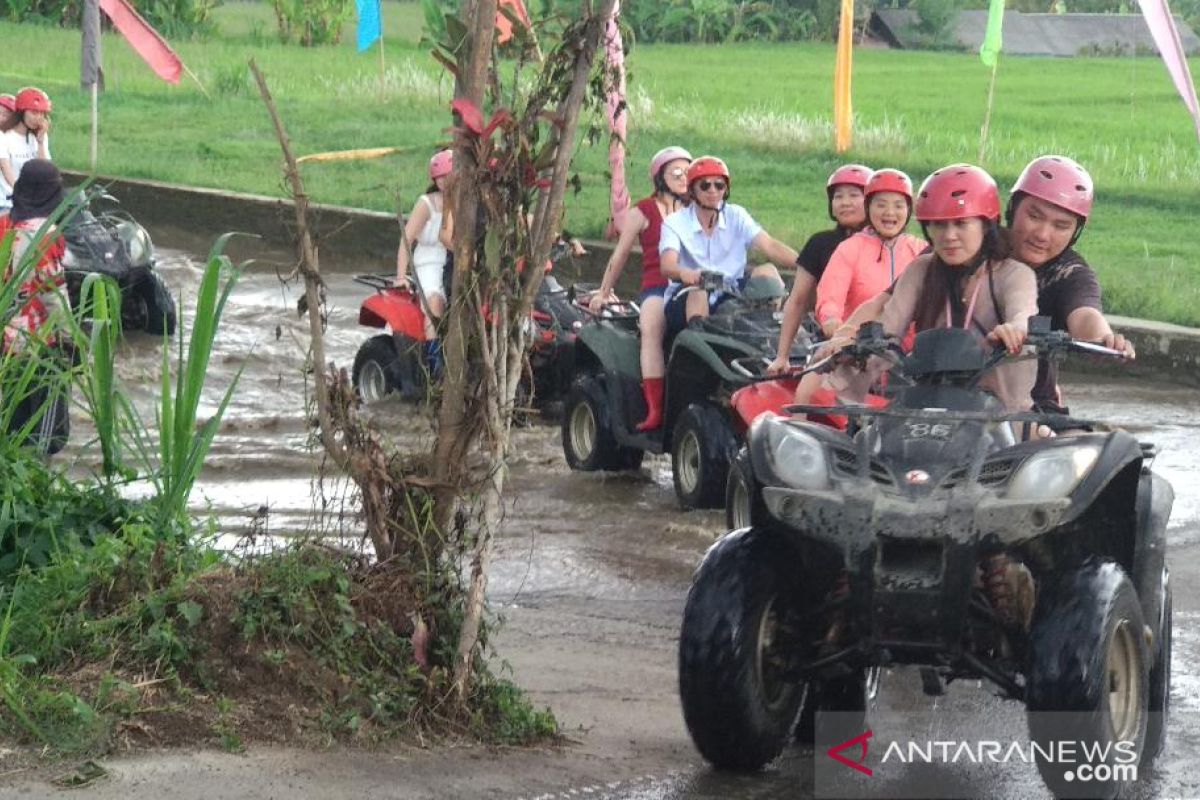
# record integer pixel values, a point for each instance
(860, 741)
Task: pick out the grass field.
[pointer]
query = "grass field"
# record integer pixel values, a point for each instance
(764, 108)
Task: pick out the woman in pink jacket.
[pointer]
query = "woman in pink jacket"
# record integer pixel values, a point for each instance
(871, 260)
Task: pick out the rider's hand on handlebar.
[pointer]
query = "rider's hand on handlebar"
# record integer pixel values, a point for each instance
(599, 298)
(1010, 336)
(690, 277)
(1115, 341)
(401, 282)
(780, 365)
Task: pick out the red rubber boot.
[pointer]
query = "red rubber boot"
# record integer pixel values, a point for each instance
(652, 390)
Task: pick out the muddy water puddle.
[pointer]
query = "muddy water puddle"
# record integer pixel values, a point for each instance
(260, 472)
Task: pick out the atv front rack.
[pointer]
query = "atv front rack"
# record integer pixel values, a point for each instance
(860, 411)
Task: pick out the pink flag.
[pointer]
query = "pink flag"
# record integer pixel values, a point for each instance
(1166, 36)
(618, 114)
(144, 39)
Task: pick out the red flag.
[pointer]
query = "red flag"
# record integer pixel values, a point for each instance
(503, 24)
(145, 41)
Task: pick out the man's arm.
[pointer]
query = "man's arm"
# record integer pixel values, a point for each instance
(778, 253)
(1089, 325)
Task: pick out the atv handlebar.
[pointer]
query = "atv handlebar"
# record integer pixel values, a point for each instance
(379, 281)
(754, 368)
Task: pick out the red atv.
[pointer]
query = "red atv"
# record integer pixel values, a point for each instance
(769, 396)
(403, 360)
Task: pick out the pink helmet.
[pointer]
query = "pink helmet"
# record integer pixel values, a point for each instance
(441, 164)
(1057, 180)
(848, 175)
(664, 157)
(889, 180)
(959, 191)
(8, 101)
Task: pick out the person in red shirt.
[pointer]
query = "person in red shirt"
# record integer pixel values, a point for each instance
(668, 174)
(39, 191)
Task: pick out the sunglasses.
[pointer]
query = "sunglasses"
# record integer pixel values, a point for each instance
(706, 185)
(678, 172)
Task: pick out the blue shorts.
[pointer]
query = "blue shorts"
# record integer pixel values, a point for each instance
(653, 291)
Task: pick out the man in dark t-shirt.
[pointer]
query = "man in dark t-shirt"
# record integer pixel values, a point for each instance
(1047, 209)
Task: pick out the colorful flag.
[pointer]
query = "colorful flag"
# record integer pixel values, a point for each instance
(503, 24)
(145, 41)
(843, 117)
(618, 114)
(992, 36)
(90, 71)
(369, 23)
(1166, 36)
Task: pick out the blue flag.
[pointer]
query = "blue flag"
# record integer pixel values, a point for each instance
(368, 23)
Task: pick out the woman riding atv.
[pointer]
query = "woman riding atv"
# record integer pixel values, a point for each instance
(968, 281)
(26, 137)
(871, 260)
(668, 174)
(847, 208)
(428, 256)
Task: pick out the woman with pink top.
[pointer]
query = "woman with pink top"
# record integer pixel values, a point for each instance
(872, 259)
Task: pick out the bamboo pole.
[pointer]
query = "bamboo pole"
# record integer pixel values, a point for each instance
(987, 114)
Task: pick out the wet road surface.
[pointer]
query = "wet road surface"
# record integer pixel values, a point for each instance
(591, 570)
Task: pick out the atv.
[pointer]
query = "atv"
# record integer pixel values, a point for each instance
(930, 534)
(699, 429)
(111, 243)
(399, 359)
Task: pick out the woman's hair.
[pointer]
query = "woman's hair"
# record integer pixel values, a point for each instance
(944, 283)
(15, 118)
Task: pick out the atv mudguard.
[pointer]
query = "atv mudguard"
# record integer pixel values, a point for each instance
(398, 309)
(1154, 500)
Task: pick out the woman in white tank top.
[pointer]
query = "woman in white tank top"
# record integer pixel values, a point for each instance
(420, 234)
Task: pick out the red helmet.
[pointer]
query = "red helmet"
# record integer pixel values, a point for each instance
(8, 101)
(848, 175)
(664, 157)
(33, 99)
(707, 167)
(1060, 181)
(889, 180)
(959, 191)
(441, 164)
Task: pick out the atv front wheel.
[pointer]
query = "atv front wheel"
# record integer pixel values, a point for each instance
(736, 650)
(1087, 682)
(743, 503)
(703, 444)
(587, 434)
(847, 696)
(1160, 680)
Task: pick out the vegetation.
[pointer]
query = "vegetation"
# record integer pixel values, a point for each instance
(121, 624)
(1120, 117)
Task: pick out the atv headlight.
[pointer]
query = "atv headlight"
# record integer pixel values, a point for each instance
(797, 458)
(1053, 474)
(137, 243)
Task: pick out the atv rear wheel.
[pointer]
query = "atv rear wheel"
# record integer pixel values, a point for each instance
(1160, 681)
(735, 653)
(1087, 680)
(703, 444)
(587, 434)
(389, 363)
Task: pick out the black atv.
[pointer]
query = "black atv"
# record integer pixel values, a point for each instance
(113, 244)
(929, 533)
(699, 429)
